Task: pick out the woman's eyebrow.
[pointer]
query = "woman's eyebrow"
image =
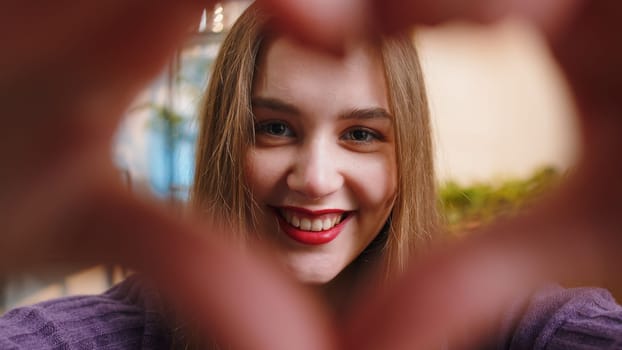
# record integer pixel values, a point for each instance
(274, 104)
(278, 105)
(367, 113)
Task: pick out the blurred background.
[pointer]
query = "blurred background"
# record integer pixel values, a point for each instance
(503, 125)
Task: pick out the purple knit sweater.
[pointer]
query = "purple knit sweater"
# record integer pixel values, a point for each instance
(125, 317)
(128, 317)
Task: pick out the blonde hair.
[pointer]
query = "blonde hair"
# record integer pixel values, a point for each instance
(226, 133)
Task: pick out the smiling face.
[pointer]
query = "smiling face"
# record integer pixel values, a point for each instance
(323, 168)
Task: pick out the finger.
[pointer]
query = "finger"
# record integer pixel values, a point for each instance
(324, 24)
(98, 67)
(33, 32)
(330, 25)
(550, 16)
(72, 95)
(457, 295)
(226, 292)
(397, 15)
(589, 52)
(454, 298)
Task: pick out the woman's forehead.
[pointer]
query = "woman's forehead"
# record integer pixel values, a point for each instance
(288, 69)
(281, 50)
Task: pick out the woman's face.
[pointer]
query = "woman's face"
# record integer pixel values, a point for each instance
(323, 168)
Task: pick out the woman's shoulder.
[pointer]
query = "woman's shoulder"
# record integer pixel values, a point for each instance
(565, 318)
(128, 316)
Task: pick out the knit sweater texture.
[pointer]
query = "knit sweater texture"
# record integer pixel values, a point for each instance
(128, 316)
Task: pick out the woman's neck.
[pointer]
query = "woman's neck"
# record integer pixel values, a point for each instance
(339, 292)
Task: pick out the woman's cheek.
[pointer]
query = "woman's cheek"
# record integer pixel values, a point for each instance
(264, 168)
(377, 178)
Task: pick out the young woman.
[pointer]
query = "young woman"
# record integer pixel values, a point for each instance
(327, 159)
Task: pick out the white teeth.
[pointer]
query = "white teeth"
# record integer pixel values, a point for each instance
(316, 225)
(327, 223)
(305, 224)
(311, 224)
(295, 221)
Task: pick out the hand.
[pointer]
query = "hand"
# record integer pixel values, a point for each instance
(68, 71)
(571, 236)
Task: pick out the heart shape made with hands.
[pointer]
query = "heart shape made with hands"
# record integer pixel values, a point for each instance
(69, 70)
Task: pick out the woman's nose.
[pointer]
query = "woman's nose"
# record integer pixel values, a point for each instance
(315, 173)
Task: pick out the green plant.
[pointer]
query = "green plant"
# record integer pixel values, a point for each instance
(465, 208)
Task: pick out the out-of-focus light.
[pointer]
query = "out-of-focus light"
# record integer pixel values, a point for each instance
(218, 27)
(221, 17)
(203, 22)
(217, 19)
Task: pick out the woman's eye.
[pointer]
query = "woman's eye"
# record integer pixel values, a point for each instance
(361, 135)
(275, 129)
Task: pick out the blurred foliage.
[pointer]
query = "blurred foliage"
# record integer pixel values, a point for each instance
(465, 208)
(166, 119)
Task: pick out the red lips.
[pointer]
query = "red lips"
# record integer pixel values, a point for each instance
(312, 237)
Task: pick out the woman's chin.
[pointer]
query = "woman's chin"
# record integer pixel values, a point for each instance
(314, 268)
(314, 277)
